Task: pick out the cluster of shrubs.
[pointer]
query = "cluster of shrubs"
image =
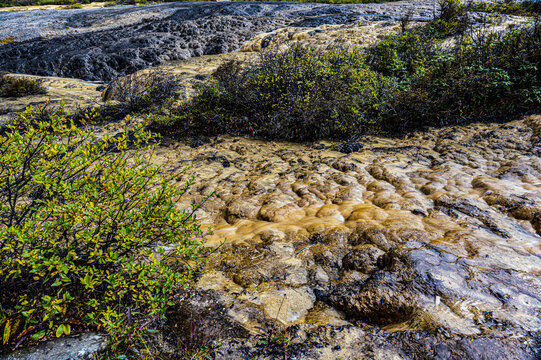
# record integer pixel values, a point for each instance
(406, 82)
(510, 7)
(12, 86)
(84, 226)
(298, 94)
(486, 77)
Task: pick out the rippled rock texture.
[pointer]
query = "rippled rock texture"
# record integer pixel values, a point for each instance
(101, 44)
(429, 243)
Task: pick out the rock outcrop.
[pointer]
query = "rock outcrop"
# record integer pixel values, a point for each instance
(89, 44)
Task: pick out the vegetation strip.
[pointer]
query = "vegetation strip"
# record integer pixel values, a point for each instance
(406, 82)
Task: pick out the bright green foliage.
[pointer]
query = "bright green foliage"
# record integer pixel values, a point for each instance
(84, 226)
(407, 54)
(296, 94)
(484, 77)
(12, 86)
(511, 7)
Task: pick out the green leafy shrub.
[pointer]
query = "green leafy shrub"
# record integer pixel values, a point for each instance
(297, 94)
(413, 52)
(452, 13)
(510, 7)
(490, 76)
(484, 76)
(84, 226)
(12, 86)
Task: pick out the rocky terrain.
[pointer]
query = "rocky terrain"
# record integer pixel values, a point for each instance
(101, 44)
(422, 247)
(435, 232)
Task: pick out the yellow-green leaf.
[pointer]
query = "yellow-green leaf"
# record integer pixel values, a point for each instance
(60, 331)
(7, 332)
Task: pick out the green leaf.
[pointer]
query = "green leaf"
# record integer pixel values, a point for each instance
(7, 332)
(60, 331)
(38, 335)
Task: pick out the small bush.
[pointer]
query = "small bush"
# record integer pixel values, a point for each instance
(11, 86)
(73, 6)
(84, 226)
(296, 94)
(139, 93)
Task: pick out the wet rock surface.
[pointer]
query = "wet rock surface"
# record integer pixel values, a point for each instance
(429, 243)
(103, 43)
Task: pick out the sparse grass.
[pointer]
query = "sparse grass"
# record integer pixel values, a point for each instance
(7, 40)
(12, 86)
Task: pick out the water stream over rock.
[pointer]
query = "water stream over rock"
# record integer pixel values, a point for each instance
(435, 232)
(426, 246)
